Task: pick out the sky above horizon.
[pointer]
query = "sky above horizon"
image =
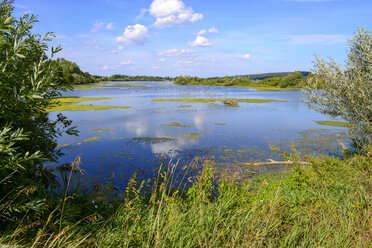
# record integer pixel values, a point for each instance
(198, 37)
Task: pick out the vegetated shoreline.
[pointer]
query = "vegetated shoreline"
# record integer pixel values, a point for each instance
(324, 203)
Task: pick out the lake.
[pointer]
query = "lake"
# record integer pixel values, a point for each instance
(120, 141)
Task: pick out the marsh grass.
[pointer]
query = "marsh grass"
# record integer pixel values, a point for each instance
(325, 204)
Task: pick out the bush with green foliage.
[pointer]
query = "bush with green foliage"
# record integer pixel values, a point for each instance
(347, 91)
(29, 80)
(72, 74)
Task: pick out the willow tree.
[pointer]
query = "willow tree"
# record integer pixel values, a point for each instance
(29, 80)
(346, 91)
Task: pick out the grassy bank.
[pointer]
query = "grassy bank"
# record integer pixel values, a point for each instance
(324, 204)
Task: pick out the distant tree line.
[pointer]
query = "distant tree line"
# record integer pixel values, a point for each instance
(118, 77)
(282, 80)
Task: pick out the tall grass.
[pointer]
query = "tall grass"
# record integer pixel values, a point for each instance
(325, 204)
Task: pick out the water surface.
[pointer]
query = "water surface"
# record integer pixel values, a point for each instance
(125, 140)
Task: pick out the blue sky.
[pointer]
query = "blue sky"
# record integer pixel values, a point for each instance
(198, 37)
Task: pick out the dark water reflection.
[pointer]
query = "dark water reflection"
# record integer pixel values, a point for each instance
(231, 135)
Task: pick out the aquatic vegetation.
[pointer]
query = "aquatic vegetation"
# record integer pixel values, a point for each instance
(130, 85)
(230, 102)
(81, 107)
(214, 100)
(184, 106)
(64, 145)
(89, 140)
(153, 140)
(334, 123)
(92, 139)
(193, 135)
(175, 124)
(80, 99)
(88, 87)
(100, 130)
(220, 124)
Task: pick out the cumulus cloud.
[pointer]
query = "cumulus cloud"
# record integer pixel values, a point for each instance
(200, 41)
(169, 13)
(161, 60)
(110, 26)
(96, 27)
(210, 31)
(243, 56)
(133, 35)
(178, 53)
(127, 62)
(105, 67)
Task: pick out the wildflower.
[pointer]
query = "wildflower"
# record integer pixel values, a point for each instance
(92, 201)
(95, 206)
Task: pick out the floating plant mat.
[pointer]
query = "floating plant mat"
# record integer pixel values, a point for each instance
(153, 140)
(81, 107)
(130, 85)
(80, 99)
(193, 135)
(334, 123)
(175, 124)
(211, 100)
(320, 141)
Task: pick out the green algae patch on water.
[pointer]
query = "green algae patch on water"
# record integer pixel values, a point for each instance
(334, 123)
(153, 140)
(89, 140)
(81, 107)
(220, 124)
(211, 100)
(100, 130)
(175, 124)
(131, 85)
(184, 106)
(80, 99)
(193, 135)
(64, 146)
(88, 87)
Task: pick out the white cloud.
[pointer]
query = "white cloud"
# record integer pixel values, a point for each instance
(105, 67)
(200, 41)
(133, 35)
(127, 62)
(169, 13)
(202, 32)
(243, 56)
(110, 26)
(178, 53)
(213, 30)
(325, 39)
(96, 27)
(210, 31)
(161, 60)
(155, 67)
